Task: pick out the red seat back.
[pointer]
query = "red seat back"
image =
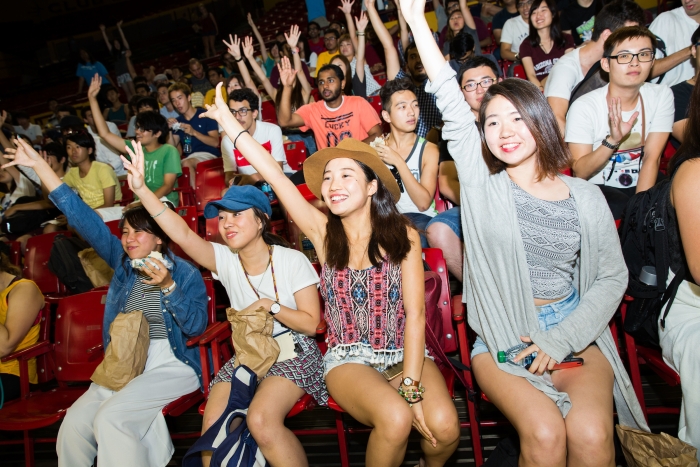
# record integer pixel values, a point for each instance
(114, 228)
(127, 194)
(296, 154)
(269, 113)
(209, 181)
(36, 258)
(15, 253)
(376, 103)
(78, 329)
(436, 261)
(212, 231)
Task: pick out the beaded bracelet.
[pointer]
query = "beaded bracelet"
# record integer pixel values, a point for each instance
(412, 394)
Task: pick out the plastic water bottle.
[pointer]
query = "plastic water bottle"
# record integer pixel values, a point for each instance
(509, 355)
(187, 144)
(267, 189)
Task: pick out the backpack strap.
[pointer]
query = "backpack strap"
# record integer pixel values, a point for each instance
(670, 295)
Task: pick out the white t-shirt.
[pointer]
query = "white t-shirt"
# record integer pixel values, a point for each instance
(293, 272)
(514, 32)
(267, 134)
(564, 76)
(106, 153)
(164, 112)
(24, 188)
(32, 132)
(675, 28)
(587, 123)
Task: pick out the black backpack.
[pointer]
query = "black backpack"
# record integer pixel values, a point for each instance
(65, 263)
(644, 237)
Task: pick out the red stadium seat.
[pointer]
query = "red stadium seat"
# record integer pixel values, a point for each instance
(36, 259)
(114, 228)
(269, 113)
(184, 189)
(209, 181)
(127, 194)
(296, 154)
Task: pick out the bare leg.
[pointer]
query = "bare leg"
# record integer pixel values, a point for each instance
(589, 423)
(273, 400)
(129, 90)
(535, 417)
(216, 404)
(441, 236)
(191, 164)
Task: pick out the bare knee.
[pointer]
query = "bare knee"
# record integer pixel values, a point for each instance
(445, 427)
(544, 443)
(440, 235)
(592, 442)
(394, 426)
(263, 426)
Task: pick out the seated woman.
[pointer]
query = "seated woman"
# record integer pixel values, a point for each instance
(680, 335)
(20, 303)
(126, 428)
(366, 245)
(258, 270)
(548, 272)
(118, 112)
(546, 43)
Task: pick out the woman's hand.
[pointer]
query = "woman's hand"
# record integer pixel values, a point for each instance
(619, 129)
(370, 5)
(11, 211)
(346, 6)
(158, 273)
(25, 155)
(293, 36)
(135, 167)
(419, 423)
(361, 22)
(411, 9)
(248, 49)
(287, 73)
(265, 303)
(94, 88)
(542, 362)
(234, 48)
(388, 155)
(250, 21)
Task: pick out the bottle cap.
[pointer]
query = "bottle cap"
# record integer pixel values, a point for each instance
(648, 275)
(501, 357)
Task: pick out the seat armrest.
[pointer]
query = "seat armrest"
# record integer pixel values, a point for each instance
(32, 351)
(322, 327)
(95, 348)
(214, 331)
(457, 309)
(212, 328)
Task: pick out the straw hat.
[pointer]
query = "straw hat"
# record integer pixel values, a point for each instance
(349, 148)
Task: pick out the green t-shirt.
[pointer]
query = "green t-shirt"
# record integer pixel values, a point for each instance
(164, 160)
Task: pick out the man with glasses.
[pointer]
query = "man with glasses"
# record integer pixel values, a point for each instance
(313, 32)
(444, 231)
(330, 40)
(617, 133)
(243, 104)
(515, 31)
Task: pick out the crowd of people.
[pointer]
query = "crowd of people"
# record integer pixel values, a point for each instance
(536, 251)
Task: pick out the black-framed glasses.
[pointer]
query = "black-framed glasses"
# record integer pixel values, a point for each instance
(627, 57)
(243, 111)
(397, 177)
(484, 83)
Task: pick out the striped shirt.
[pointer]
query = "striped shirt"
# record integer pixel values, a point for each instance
(146, 298)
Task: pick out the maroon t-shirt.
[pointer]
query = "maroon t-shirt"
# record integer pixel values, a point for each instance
(543, 62)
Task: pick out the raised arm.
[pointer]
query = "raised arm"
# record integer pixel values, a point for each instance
(248, 51)
(121, 34)
(104, 36)
(293, 40)
(172, 224)
(258, 36)
(393, 65)
(234, 48)
(102, 129)
(663, 65)
(129, 65)
(467, 14)
(285, 117)
(310, 220)
(431, 55)
(346, 8)
(361, 23)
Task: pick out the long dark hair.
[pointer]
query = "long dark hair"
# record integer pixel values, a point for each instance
(268, 237)
(554, 29)
(690, 149)
(552, 153)
(347, 90)
(8, 267)
(297, 95)
(139, 219)
(389, 230)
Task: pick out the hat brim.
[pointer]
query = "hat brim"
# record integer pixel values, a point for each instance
(212, 208)
(315, 165)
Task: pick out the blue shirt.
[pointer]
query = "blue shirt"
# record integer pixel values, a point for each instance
(184, 309)
(88, 70)
(202, 125)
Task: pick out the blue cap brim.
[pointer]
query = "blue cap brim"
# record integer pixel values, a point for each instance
(212, 208)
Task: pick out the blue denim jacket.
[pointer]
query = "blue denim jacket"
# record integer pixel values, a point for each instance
(185, 308)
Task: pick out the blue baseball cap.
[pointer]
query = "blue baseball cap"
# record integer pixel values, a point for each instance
(239, 198)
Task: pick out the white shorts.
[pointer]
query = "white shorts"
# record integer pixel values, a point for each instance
(123, 79)
(201, 156)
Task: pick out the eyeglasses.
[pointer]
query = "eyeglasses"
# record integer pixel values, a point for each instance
(397, 177)
(625, 58)
(484, 83)
(524, 4)
(140, 128)
(242, 111)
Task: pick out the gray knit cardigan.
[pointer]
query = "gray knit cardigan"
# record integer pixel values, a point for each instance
(497, 290)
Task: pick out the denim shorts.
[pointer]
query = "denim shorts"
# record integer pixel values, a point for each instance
(330, 361)
(451, 218)
(548, 316)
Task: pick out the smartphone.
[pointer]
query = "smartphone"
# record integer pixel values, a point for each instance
(569, 362)
(393, 371)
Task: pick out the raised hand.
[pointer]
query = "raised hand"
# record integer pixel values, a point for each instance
(412, 10)
(346, 6)
(287, 73)
(135, 166)
(361, 22)
(250, 21)
(102, 27)
(619, 129)
(248, 49)
(370, 5)
(127, 53)
(94, 88)
(234, 48)
(293, 36)
(119, 23)
(219, 110)
(25, 155)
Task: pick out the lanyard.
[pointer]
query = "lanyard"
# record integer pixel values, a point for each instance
(272, 270)
(612, 169)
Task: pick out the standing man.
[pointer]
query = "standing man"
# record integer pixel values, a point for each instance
(675, 28)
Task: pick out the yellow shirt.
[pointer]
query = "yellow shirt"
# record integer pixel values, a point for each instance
(211, 95)
(90, 188)
(32, 337)
(324, 58)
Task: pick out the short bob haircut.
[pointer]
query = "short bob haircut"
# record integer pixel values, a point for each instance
(182, 87)
(139, 219)
(152, 120)
(82, 139)
(626, 33)
(553, 154)
(393, 86)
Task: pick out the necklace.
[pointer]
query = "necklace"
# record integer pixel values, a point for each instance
(551, 46)
(272, 270)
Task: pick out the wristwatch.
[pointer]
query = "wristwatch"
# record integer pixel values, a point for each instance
(167, 290)
(275, 308)
(410, 382)
(610, 145)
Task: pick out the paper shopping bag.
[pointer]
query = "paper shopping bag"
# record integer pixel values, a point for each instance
(126, 353)
(644, 449)
(251, 333)
(97, 270)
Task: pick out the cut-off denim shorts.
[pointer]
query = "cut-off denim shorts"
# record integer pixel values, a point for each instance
(548, 316)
